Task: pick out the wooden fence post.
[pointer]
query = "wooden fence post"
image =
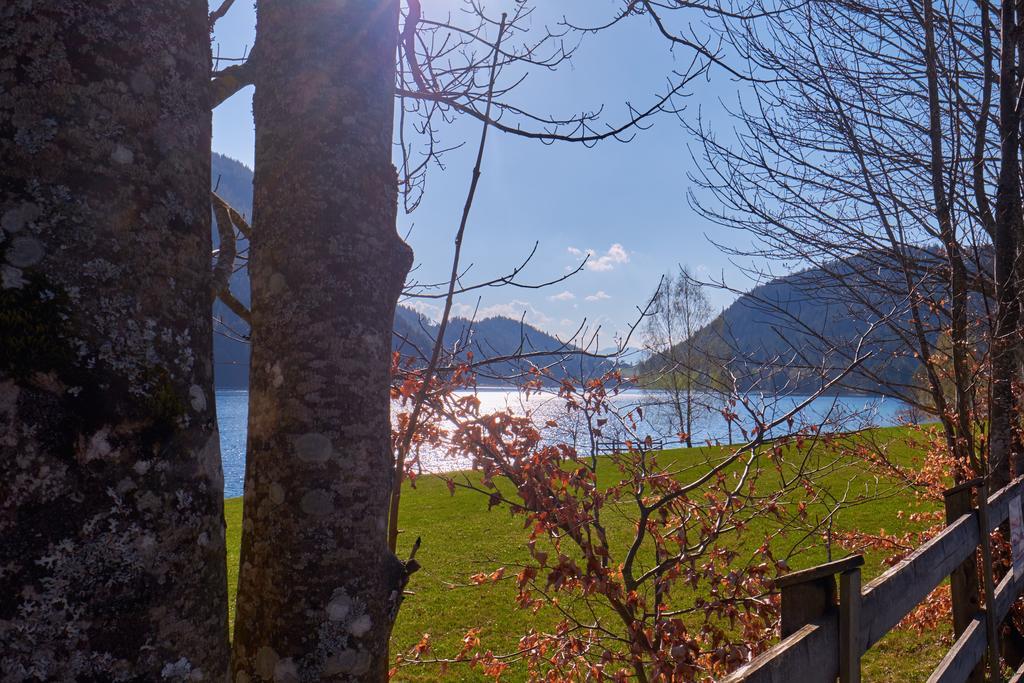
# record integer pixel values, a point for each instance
(822, 641)
(849, 625)
(963, 582)
(991, 627)
(810, 594)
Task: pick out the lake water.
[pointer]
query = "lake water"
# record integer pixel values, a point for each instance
(835, 412)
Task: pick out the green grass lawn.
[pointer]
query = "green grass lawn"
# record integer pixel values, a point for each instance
(461, 537)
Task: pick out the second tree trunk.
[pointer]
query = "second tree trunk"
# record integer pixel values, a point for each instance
(318, 587)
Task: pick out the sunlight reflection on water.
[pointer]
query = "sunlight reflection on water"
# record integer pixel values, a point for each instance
(851, 412)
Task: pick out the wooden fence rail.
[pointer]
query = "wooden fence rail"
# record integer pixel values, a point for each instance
(619, 446)
(825, 632)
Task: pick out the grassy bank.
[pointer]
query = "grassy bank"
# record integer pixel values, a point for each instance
(461, 537)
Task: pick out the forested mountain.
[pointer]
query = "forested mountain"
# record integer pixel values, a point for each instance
(797, 328)
(510, 346)
(490, 338)
(232, 180)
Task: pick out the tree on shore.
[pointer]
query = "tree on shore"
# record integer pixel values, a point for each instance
(680, 310)
(112, 560)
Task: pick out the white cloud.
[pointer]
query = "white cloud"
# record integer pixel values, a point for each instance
(432, 311)
(511, 309)
(599, 295)
(615, 255)
(562, 296)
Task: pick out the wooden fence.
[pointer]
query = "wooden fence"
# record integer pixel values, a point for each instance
(824, 638)
(617, 446)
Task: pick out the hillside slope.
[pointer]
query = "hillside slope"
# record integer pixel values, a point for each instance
(490, 338)
(795, 329)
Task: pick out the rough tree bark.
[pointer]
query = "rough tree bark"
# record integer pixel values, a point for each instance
(112, 562)
(318, 587)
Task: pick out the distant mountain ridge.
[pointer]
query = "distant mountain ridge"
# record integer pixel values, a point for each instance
(786, 333)
(491, 338)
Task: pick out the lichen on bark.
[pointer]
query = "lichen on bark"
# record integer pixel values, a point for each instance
(112, 562)
(318, 587)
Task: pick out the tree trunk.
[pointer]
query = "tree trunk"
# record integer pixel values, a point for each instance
(689, 418)
(318, 587)
(112, 563)
(677, 402)
(1002, 439)
(962, 437)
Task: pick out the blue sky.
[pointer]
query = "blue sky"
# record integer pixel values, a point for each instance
(625, 203)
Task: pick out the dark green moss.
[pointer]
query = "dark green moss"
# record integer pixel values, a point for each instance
(34, 329)
(165, 406)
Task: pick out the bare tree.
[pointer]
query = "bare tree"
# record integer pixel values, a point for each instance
(1005, 449)
(112, 557)
(680, 310)
(834, 170)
